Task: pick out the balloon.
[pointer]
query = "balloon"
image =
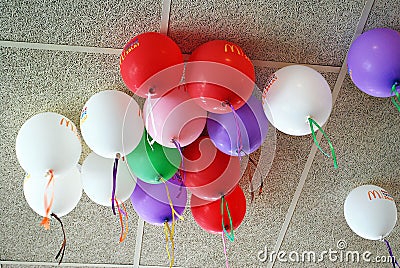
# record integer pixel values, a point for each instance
(151, 61)
(150, 201)
(208, 214)
(218, 72)
(176, 116)
(67, 192)
(253, 125)
(374, 61)
(48, 141)
(210, 173)
(370, 212)
(97, 179)
(111, 123)
(152, 162)
(293, 94)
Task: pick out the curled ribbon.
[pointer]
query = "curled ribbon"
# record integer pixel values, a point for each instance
(48, 204)
(396, 97)
(64, 243)
(122, 212)
(230, 235)
(170, 231)
(312, 122)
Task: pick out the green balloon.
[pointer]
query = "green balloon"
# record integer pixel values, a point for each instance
(150, 164)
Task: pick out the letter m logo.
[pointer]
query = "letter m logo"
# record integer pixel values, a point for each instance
(67, 123)
(374, 194)
(233, 48)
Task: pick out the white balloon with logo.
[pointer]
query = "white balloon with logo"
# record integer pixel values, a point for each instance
(97, 180)
(292, 95)
(48, 141)
(370, 212)
(111, 123)
(67, 190)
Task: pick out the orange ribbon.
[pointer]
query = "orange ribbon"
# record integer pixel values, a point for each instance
(47, 205)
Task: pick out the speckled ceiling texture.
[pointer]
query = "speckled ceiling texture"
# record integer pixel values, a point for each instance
(364, 130)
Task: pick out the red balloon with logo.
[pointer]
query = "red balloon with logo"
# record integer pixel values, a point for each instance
(151, 63)
(218, 74)
(209, 173)
(208, 214)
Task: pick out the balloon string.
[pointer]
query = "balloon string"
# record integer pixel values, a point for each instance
(239, 143)
(169, 236)
(170, 201)
(231, 235)
(149, 113)
(251, 178)
(47, 205)
(64, 243)
(396, 97)
(393, 258)
(226, 255)
(122, 212)
(179, 178)
(178, 146)
(312, 122)
(114, 186)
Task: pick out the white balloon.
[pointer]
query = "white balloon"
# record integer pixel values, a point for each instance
(48, 141)
(67, 192)
(293, 94)
(97, 179)
(111, 122)
(370, 212)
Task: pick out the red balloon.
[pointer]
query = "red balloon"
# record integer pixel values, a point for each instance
(208, 214)
(151, 63)
(210, 173)
(218, 72)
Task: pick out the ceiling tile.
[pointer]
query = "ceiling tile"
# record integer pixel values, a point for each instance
(35, 81)
(109, 23)
(384, 13)
(288, 31)
(364, 131)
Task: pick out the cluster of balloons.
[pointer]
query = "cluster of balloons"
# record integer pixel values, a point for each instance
(153, 155)
(374, 63)
(218, 79)
(48, 148)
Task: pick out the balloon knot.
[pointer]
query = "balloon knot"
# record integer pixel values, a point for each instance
(45, 223)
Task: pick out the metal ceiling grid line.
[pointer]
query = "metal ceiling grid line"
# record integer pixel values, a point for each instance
(54, 47)
(165, 11)
(117, 51)
(138, 244)
(155, 266)
(279, 65)
(65, 264)
(339, 82)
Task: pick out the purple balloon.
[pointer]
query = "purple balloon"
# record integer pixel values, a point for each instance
(253, 125)
(374, 61)
(150, 201)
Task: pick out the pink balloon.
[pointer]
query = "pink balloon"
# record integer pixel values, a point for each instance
(175, 116)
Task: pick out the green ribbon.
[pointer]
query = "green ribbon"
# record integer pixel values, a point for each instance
(312, 122)
(396, 97)
(230, 235)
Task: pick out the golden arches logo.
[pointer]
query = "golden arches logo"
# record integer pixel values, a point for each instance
(232, 48)
(374, 194)
(69, 124)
